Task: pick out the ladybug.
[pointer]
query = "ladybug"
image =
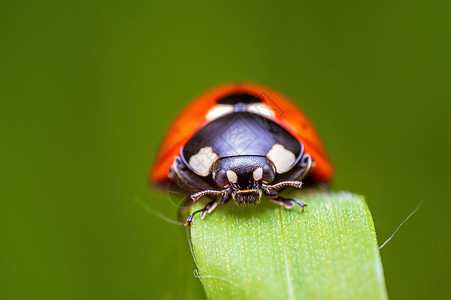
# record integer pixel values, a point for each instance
(240, 141)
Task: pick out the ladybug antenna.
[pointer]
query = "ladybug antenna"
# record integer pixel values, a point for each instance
(200, 194)
(275, 187)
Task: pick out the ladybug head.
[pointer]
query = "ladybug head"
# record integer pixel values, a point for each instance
(243, 176)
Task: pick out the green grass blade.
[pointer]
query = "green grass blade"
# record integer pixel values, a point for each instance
(269, 252)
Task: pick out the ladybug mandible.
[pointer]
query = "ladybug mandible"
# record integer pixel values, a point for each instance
(240, 141)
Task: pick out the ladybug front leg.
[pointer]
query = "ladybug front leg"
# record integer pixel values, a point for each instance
(287, 202)
(206, 210)
(224, 199)
(190, 200)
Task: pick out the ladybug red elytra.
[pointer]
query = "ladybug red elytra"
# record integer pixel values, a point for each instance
(239, 141)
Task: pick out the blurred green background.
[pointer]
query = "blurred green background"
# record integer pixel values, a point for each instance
(89, 88)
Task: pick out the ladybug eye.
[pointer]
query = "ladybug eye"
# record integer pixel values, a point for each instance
(268, 173)
(221, 179)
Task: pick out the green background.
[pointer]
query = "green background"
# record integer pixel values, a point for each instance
(88, 90)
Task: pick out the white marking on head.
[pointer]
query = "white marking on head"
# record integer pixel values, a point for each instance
(231, 176)
(218, 111)
(282, 158)
(261, 109)
(202, 161)
(258, 174)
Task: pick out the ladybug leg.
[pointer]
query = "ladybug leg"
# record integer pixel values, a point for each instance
(224, 199)
(272, 192)
(288, 202)
(207, 209)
